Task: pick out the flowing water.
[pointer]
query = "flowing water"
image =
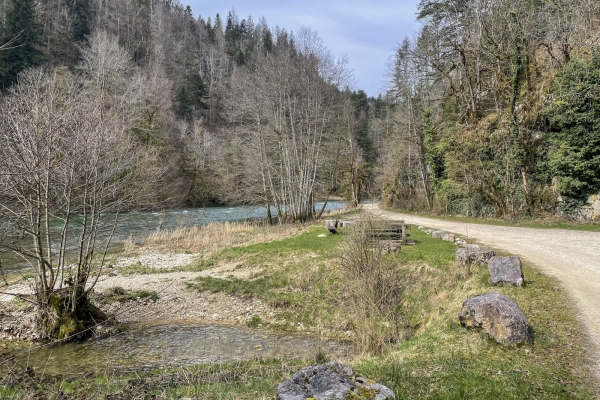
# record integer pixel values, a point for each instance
(136, 226)
(140, 347)
(165, 346)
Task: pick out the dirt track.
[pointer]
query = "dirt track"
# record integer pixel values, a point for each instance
(572, 257)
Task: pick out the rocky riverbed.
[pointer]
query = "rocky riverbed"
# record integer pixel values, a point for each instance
(176, 303)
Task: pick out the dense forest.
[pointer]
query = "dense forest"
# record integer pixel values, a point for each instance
(495, 109)
(492, 109)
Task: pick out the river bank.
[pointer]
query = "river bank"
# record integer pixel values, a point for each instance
(165, 264)
(301, 279)
(164, 275)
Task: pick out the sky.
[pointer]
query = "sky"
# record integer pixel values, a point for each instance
(366, 31)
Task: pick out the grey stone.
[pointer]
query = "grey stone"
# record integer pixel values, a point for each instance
(330, 381)
(448, 237)
(473, 254)
(499, 316)
(438, 234)
(331, 225)
(506, 271)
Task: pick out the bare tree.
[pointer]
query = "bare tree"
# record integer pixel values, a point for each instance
(67, 170)
(288, 104)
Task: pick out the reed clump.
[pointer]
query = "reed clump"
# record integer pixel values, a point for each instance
(219, 235)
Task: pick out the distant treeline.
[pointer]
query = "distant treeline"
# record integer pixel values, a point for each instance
(491, 110)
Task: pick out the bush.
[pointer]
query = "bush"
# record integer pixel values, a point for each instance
(373, 289)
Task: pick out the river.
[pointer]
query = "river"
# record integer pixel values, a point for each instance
(136, 226)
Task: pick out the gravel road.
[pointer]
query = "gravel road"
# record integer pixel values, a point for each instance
(572, 257)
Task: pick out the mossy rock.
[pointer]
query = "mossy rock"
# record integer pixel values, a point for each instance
(331, 380)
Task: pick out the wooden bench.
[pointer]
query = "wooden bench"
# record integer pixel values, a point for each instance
(395, 231)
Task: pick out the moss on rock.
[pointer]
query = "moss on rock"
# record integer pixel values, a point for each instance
(60, 320)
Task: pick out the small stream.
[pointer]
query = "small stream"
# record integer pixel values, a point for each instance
(163, 346)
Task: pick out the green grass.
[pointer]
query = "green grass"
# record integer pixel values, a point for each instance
(302, 262)
(442, 360)
(306, 242)
(438, 359)
(122, 295)
(434, 252)
(243, 380)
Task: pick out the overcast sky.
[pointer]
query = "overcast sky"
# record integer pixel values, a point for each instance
(366, 31)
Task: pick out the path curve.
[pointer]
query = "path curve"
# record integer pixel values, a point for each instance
(570, 256)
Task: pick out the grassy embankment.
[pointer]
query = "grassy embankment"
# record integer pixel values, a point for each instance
(413, 344)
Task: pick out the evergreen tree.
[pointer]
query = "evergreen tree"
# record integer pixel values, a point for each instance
(267, 41)
(361, 133)
(191, 97)
(210, 32)
(80, 11)
(20, 19)
(575, 119)
(218, 27)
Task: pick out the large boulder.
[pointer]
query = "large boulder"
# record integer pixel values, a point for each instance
(473, 254)
(499, 316)
(506, 271)
(330, 381)
(460, 242)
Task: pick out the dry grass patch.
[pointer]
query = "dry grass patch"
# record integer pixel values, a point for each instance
(235, 270)
(216, 236)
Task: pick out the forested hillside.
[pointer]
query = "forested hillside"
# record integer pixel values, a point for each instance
(496, 109)
(221, 110)
(491, 110)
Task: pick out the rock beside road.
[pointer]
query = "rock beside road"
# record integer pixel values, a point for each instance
(499, 316)
(331, 381)
(506, 271)
(472, 254)
(448, 237)
(438, 234)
